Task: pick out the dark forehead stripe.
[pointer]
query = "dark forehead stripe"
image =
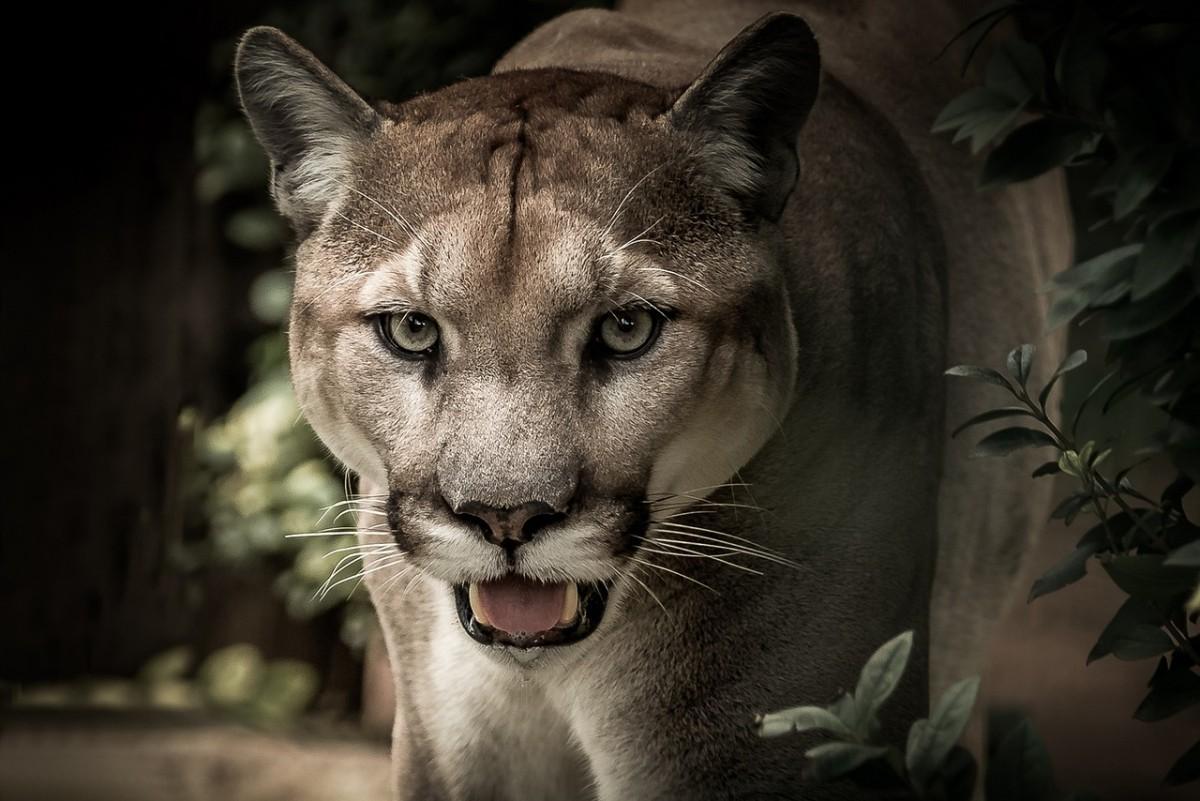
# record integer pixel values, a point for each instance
(529, 128)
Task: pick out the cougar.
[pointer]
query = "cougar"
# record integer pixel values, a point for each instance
(636, 347)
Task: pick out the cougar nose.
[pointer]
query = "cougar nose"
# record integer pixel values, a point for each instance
(511, 527)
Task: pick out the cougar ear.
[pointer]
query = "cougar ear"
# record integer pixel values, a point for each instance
(306, 118)
(748, 107)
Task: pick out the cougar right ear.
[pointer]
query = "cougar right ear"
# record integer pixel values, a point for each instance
(748, 106)
(307, 119)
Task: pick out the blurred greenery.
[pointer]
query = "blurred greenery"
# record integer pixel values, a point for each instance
(236, 680)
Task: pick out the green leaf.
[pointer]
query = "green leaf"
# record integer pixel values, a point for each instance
(1142, 174)
(1141, 641)
(1098, 270)
(975, 104)
(1020, 361)
(1016, 71)
(1020, 769)
(1185, 556)
(986, 374)
(1134, 612)
(1173, 689)
(846, 710)
(1009, 440)
(1186, 768)
(1073, 360)
(831, 760)
(930, 744)
(990, 415)
(1170, 245)
(1145, 576)
(880, 676)
(802, 718)
(1046, 469)
(1134, 319)
(1035, 148)
(1069, 507)
(1068, 571)
(983, 130)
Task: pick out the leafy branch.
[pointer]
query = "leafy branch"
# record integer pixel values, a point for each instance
(1149, 549)
(930, 764)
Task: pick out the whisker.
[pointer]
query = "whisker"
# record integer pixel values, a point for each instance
(396, 216)
(369, 230)
(726, 548)
(391, 561)
(673, 572)
(636, 240)
(388, 582)
(630, 575)
(656, 505)
(685, 554)
(700, 489)
(689, 279)
(621, 206)
(761, 551)
(364, 548)
(340, 533)
(660, 312)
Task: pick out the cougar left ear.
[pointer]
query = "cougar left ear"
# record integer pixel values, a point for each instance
(307, 119)
(748, 107)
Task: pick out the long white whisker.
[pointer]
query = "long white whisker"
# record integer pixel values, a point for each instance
(630, 575)
(621, 206)
(689, 279)
(754, 549)
(695, 555)
(362, 548)
(726, 548)
(363, 573)
(673, 572)
(398, 218)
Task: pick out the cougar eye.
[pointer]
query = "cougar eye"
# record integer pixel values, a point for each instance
(626, 333)
(409, 334)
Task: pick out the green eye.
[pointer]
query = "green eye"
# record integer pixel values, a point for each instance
(409, 334)
(626, 333)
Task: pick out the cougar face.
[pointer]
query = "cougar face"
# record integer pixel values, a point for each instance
(528, 305)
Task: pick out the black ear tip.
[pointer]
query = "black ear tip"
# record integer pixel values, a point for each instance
(783, 28)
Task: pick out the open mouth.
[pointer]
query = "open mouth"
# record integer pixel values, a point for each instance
(523, 613)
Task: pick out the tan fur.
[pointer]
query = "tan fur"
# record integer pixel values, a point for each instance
(803, 373)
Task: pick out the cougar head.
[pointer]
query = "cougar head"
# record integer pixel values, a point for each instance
(529, 304)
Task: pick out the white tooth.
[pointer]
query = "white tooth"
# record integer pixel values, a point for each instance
(476, 607)
(570, 605)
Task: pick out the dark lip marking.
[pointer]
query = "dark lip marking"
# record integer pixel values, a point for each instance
(403, 541)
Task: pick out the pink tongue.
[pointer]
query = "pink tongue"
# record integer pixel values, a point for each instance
(519, 606)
